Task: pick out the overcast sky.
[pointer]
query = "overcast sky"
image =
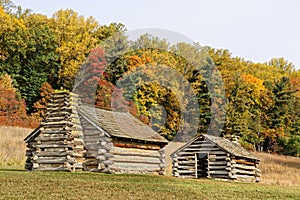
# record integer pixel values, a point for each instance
(256, 30)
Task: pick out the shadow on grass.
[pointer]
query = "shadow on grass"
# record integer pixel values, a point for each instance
(11, 169)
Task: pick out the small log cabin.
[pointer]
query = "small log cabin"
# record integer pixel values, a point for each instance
(80, 137)
(215, 157)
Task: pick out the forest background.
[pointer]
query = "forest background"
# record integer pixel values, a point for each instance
(40, 54)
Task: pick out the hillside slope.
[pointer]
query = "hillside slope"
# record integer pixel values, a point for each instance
(276, 169)
(279, 170)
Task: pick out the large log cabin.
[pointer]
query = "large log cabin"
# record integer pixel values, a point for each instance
(76, 137)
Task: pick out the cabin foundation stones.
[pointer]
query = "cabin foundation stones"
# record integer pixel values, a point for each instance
(215, 157)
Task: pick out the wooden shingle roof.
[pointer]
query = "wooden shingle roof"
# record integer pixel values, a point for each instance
(230, 147)
(120, 124)
(115, 124)
(224, 144)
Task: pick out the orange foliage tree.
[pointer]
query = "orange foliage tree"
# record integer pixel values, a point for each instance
(12, 106)
(39, 107)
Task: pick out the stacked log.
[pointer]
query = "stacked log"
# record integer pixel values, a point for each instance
(58, 144)
(192, 161)
(132, 157)
(162, 160)
(104, 154)
(92, 139)
(217, 165)
(257, 172)
(175, 165)
(29, 157)
(245, 170)
(203, 158)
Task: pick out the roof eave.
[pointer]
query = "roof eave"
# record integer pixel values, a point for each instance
(32, 134)
(188, 143)
(143, 140)
(230, 152)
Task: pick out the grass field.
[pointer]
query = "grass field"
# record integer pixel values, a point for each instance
(15, 184)
(280, 180)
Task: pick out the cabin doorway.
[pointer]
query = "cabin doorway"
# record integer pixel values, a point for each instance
(201, 164)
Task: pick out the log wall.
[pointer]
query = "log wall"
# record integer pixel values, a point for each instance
(69, 141)
(59, 143)
(203, 158)
(137, 160)
(198, 159)
(244, 169)
(111, 155)
(94, 138)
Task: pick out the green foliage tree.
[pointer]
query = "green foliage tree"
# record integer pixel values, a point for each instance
(291, 145)
(29, 54)
(279, 121)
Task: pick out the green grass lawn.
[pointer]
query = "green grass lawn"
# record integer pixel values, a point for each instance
(19, 184)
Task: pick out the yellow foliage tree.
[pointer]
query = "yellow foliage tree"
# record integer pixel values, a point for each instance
(8, 26)
(76, 38)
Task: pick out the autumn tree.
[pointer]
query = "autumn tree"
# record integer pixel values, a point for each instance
(39, 107)
(113, 41)
(156, 81)
(151, 71)
(29, 55)
(12, 106)
(89, 75)
(76, 38)
(281, 64)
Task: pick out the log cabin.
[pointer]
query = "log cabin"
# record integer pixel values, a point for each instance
(215, 157)
(75, 137)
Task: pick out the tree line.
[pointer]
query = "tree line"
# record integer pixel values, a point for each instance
(40, 54)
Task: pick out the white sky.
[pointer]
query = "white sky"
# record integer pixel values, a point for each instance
(256, 30)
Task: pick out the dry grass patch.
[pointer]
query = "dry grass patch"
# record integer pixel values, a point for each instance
(12, 151)
(279, 170)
